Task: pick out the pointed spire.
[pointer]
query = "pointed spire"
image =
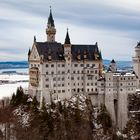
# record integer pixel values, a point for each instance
(67, 39)
(50, 19)
(34, 38)
(113, 61)
(96, 43)
(100, 55)
(29, 52)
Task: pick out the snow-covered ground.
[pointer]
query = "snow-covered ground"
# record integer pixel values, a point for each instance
(13, 77)
(10, 82)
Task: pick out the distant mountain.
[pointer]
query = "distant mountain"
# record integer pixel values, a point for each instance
(122, 65)
(13, 65)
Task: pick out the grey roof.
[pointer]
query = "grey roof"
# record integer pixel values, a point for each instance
(92, 51)
(56, 50)
(50, 48)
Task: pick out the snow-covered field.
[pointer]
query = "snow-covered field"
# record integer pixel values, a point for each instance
(10, 82)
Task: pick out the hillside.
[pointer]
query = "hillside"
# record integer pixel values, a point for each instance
(123, 65)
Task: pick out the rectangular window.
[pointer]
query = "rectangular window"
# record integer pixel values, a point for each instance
(63, 72)
(95, 71)
(82, 65)
(93, 65)
(59, 85)
(52, 65)
(89, 77)
(47, 65)
(63, 65)
(72, 78)
(88, 65)
(47, 86)
(75, 65)
(63, 78)
(63, 91)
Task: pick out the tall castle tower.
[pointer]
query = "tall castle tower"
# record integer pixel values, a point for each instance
(67, 55)
(50, 30)
(136, 63)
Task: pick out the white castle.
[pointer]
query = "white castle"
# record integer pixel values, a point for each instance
(58, 71)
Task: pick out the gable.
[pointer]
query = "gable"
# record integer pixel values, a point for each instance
(34, 54)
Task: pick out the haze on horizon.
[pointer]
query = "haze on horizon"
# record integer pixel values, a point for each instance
(114, 24)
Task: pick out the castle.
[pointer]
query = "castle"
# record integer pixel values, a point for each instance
(58, 71)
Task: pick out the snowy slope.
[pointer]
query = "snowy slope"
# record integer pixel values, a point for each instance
(9, 83)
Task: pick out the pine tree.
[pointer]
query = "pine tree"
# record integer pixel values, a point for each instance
(34, 105)
(12, 102)
(104, 118)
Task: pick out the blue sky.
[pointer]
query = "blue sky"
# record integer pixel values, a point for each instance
(114, 24)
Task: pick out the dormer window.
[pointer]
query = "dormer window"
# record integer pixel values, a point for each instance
(78, 57)
(49, 57)
(85, 54)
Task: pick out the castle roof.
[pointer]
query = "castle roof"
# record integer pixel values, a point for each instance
(56, 50)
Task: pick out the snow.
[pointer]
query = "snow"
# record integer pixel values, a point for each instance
(137, 111)
(14, 81)
(23, 117)
(81, 101)
(119, 133)
(14, 77)
(8, 89)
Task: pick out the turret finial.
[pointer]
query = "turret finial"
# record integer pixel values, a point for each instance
(34, 38)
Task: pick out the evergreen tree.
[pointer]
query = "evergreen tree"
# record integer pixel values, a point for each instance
(34, 105)
(77, 114)
(17, 99)
(12, 102)
(43, 108)
(104, 118)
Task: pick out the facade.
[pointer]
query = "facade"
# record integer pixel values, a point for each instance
(113, 91)
(57, 71)
(136, 63)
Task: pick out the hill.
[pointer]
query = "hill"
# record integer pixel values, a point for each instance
(122, 65)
